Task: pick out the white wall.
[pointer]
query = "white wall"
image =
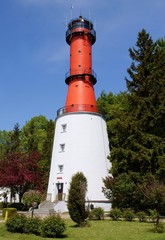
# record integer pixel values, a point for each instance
(86, 150)
(7, 190)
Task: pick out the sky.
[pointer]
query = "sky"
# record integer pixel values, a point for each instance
(34, 56)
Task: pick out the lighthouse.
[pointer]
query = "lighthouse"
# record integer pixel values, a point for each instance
(81, 140)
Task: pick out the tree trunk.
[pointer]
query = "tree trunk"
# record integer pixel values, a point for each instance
(157, 217)
(20, 197)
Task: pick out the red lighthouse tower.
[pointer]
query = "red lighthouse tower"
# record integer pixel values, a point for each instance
(81, 140)
(81, 78)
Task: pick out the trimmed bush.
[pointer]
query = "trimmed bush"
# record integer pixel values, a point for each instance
(141, 216)
(1, 205)
(53, 226)
(128, 215)
(11, 212)
(96, 214)
(115, 214)
(16, 223)
(33, 225)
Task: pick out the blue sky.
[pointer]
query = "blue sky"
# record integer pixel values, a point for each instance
(34, 56)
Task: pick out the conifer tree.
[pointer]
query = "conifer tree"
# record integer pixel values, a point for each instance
(76, 199)
(138, 151)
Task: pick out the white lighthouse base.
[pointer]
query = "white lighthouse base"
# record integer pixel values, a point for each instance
(80, 145)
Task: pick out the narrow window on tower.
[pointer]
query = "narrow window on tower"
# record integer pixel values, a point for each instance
(60, 168)
(63, 127)
(62, 147)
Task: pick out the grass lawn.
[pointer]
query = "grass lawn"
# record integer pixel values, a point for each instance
(98, 230)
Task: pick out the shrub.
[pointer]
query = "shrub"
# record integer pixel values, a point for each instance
(33, 225)
(11, 212)
(1, 205)
(141, 216)
(152, 215)
(115, 214)
(128, 215)
(16, 223)
(30, 197)
(76, 199)
(53, 226)
(96, 214)
(159, 228)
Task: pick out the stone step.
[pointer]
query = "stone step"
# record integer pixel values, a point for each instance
(46, 208)
(46, 205)
(43, 212)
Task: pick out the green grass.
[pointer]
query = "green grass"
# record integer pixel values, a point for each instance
(98, 230)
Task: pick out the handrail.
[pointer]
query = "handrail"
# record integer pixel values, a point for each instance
(82, 19)
(77, 108)
(80, 26)
(81, 71)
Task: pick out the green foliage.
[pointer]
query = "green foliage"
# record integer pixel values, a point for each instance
(37, 135)
(34, 134)
(136, 126)
(128, 215)
(115, 214)
(152, 215)
(4, 140)
(53, 226)
(122, 190)
(1, 205)
(11, 212)
(15, 140)
(154, 195)
(33, 226)
(159, 228)
(141, 216)
(76, 199)
(46, 153)
(31, 196)
(16, 223)
(96, 214)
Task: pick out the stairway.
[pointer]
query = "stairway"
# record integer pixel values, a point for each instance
(60, 207)
(46, 208)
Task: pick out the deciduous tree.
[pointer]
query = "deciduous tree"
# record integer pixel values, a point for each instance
(20, 173)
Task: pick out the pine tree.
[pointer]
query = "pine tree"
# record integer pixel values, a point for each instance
(13, 145)
(139, 150)
(147, 99)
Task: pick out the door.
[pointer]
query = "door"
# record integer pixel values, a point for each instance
(60, 191)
